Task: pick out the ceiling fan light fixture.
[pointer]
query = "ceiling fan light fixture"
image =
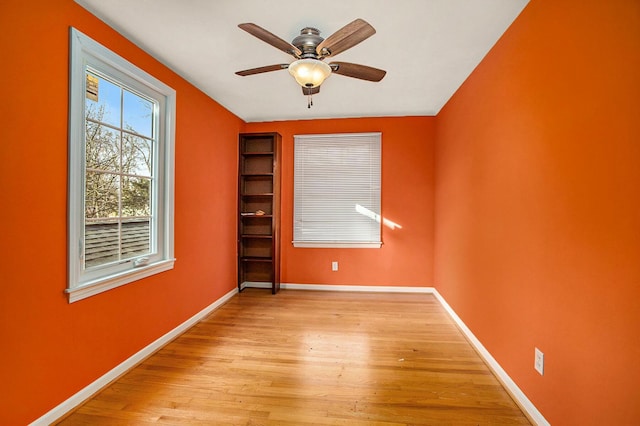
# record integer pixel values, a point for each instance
(309, 73)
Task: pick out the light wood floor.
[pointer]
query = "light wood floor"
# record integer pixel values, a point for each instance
(311, 358)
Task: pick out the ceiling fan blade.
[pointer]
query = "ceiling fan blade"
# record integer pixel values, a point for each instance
(362, 72)
(345, 38)
(259, 70)
(310, 91)
(270, 38)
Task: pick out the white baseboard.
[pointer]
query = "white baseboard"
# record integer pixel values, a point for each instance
(502, 375)
(329, 287)
(84, 394)
(364, 288)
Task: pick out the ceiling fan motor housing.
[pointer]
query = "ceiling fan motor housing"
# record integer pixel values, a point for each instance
(307, 42)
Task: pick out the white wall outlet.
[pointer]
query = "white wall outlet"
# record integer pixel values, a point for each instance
(334, 266)
(539, 362)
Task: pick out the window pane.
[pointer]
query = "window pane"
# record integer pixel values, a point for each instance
(101, 195)
(136, 155)
(138, 114)
(102, 150)
(136, 197)
(102, 242)
(105, 105)
(135, 237)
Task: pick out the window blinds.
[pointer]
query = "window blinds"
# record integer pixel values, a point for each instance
(337, 190)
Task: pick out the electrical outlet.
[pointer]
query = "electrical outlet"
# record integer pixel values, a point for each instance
(539, 361)
(334, 266)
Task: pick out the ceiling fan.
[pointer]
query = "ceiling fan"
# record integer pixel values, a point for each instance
(310, 50)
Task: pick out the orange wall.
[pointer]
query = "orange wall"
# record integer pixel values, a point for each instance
(51, 349)
(406, 257)
(538, 207)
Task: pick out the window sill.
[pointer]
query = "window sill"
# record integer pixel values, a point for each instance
(335, 244)
(92, 288)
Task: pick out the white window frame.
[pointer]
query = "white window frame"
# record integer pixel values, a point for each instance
(317, 175)
(86, 53)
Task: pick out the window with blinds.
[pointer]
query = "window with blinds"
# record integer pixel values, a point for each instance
(337, 190)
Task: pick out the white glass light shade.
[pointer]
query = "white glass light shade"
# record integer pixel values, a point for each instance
(309, 72)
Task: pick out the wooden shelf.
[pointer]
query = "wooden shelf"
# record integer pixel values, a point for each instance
(256, 259)
(259, 190)
(257, 154)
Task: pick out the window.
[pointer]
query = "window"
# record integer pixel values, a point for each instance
(337, 190)
(121, 138)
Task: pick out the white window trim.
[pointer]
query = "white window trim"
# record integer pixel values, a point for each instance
(83, 52)
(374, 216)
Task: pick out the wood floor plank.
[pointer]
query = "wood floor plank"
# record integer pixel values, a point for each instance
(311, 358)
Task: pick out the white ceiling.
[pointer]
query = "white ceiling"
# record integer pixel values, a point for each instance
(427, 47)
